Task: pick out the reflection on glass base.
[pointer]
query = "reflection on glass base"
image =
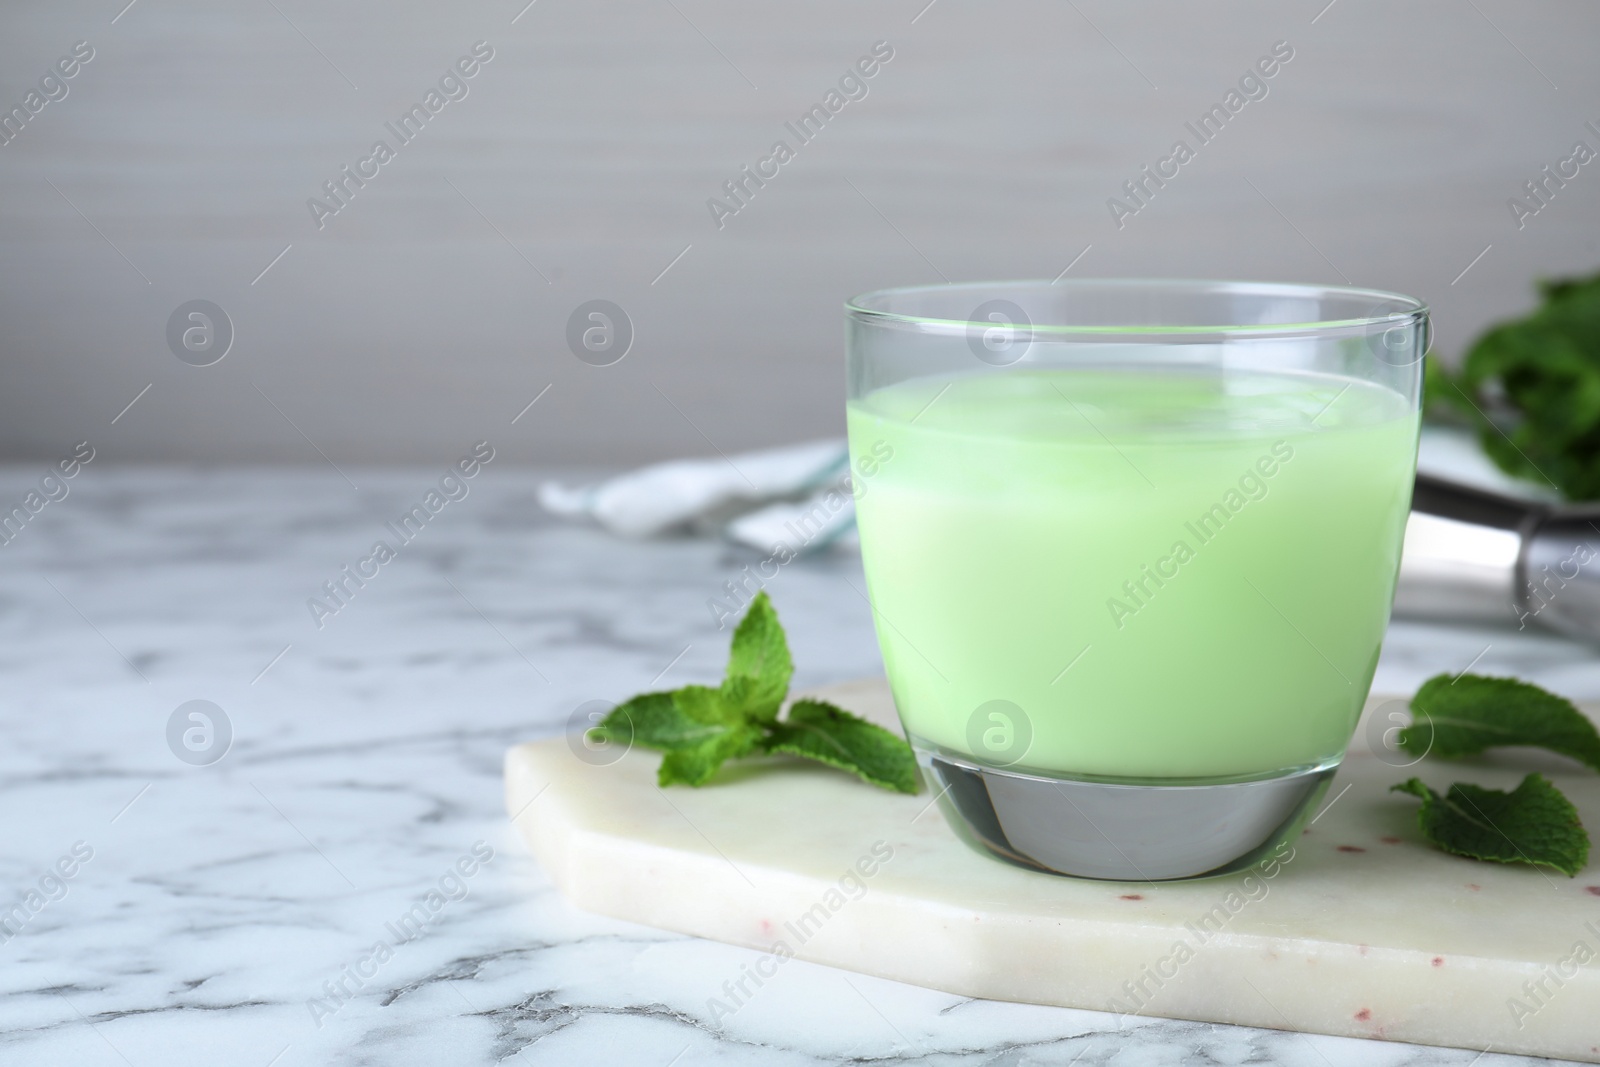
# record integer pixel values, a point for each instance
(1121, 829)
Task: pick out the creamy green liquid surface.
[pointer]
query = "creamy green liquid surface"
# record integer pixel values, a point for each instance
(1171, 574)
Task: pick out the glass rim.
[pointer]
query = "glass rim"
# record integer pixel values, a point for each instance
(1404, 309)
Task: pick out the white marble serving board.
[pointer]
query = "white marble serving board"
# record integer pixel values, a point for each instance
(1365, 931)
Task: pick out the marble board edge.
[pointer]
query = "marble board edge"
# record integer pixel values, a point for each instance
(600, 872)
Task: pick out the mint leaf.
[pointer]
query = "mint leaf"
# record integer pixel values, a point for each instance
(1472, 713)
(1533, 824)
(759, 667)
(682, 719)
(694, 725)
(1532, 388)
(653, 720)
(695, 765)
(700, 728)
(708, 706)
(817, 730)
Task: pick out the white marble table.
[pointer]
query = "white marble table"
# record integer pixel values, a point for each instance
(223, 903)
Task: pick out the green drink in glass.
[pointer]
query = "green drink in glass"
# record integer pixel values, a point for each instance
(1131, 548)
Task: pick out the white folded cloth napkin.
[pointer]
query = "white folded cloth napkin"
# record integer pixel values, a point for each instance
(794, 499)
(797, 499)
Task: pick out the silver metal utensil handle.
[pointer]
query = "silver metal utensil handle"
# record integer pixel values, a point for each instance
(1473, 555)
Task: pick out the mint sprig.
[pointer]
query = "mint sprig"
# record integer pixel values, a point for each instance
(828, 734)
(700, 728)
(1533, 823)
(1531, 388)
(1463, 716)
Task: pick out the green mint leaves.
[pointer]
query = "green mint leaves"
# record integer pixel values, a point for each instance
(1466, 715)
(759, 667)
(1531, 388)
(818, 730)
(692, 725)
(700, 728)
(1534, 823)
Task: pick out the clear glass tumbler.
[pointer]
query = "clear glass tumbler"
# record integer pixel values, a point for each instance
(1131, 548)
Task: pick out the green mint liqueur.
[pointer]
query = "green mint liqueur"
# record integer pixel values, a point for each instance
(1173, 573)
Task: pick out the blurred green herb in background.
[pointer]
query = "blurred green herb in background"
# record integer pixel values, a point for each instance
(1531, 388)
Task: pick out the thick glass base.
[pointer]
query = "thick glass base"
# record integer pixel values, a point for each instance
(1120, 829)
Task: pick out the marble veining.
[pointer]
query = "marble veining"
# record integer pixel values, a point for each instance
(232, 913)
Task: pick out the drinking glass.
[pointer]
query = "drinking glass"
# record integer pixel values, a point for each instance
(1131, 548)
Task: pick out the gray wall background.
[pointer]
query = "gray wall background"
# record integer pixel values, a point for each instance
(179, 164)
